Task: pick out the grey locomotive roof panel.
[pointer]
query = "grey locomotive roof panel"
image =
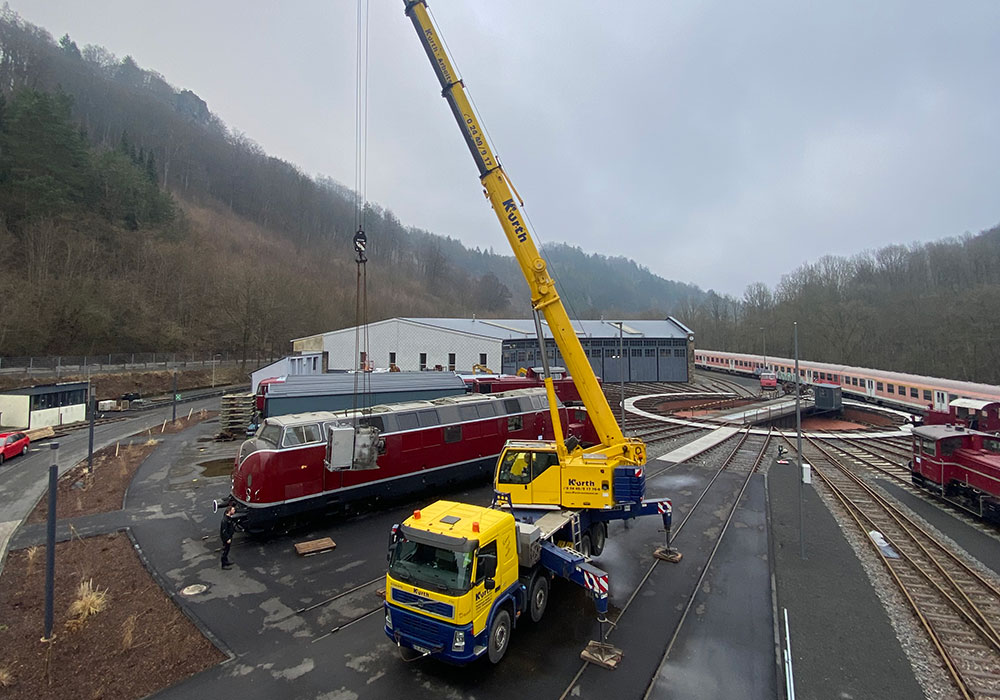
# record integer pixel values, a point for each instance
(343, 383)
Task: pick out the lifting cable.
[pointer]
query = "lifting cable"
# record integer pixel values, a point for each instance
(362, 350)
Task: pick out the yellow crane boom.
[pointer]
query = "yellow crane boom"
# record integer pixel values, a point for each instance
(615, 449)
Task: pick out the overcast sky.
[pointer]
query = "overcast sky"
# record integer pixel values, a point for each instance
(716, 143)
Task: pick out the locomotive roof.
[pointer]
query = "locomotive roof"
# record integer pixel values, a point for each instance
(339, 383)
(938, 432)
(974, 404)
(317, 416)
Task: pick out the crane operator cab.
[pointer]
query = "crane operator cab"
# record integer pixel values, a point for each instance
(530, 472)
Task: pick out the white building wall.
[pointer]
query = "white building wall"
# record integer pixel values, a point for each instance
(58, 416)
(278, 368)
(14, 411)
(408, 340)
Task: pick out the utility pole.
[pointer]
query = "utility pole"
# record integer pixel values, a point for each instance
(764, 336)
(175, 396)
(621, 357)
(798, 441)
(92, 405)
(50, 548)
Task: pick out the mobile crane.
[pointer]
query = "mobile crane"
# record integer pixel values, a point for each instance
(460, 576)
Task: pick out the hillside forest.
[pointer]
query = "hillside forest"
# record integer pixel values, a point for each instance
(133, 220)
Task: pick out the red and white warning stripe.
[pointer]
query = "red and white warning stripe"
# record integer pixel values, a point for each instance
(638, 472)
(595, 583)
(662, 507)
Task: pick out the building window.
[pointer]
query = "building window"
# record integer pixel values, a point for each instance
(636, 352)
(423, 360)
(649, 352)
(392, 358)
(679, 352)
(482, 358)
(451, 362)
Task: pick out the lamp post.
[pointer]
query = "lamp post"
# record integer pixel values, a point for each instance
(621, 368)
(763, 336)
(798, 441)
(215, 361)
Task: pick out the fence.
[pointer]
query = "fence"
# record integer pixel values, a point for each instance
(58, 365)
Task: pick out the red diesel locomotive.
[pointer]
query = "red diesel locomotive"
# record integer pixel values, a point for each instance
(960, 465)
(284, 470)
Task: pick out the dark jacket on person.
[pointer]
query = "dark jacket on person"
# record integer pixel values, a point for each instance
(226, 528)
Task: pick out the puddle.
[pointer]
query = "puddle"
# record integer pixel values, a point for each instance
(216, 467)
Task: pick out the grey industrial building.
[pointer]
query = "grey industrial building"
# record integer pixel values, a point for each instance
(644, 350)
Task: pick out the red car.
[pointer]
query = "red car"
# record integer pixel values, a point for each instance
(13, 444)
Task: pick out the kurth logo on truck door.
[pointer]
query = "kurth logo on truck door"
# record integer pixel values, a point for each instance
(515, 221)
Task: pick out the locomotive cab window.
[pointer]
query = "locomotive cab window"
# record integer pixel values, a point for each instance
(949, 445)
(927, 448)
(991, 445)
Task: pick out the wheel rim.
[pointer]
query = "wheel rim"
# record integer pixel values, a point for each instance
(540, 598)
(500, 637)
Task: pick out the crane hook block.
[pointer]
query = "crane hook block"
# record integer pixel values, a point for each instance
(360, 244)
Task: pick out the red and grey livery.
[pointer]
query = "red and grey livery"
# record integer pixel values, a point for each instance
(285, 471)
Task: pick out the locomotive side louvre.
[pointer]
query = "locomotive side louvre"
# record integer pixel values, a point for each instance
(906, 391)
(422, 445)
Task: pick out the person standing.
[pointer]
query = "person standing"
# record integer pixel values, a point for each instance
(226, 530)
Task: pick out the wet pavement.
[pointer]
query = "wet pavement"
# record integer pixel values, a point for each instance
(312, 627)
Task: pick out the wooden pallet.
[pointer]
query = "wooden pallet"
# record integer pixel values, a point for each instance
(323, 544)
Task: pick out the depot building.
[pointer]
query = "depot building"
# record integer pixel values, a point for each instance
(639, 350)
(41, 406)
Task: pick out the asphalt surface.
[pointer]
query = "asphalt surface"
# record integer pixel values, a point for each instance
(23, 480)
(312, 627)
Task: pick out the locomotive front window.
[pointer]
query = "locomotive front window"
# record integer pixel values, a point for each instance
(270, 433)
(927, 447)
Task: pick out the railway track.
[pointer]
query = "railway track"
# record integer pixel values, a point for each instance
(958, 609)
(744, 457)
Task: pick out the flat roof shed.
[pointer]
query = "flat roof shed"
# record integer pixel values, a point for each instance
(44, 405)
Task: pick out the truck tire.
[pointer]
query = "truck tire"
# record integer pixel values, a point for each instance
(499, 636)
(598, 538)
(585, 548)
(538, 596)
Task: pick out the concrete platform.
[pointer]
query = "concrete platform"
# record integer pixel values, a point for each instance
(768, 411)
(843, 644)
(702, 444)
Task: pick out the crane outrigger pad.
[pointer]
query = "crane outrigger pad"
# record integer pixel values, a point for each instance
(602, 654)
(668, 554)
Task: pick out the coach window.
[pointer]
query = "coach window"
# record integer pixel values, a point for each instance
(927, 394)
(902, 390)
(914, 392)
(891, 388)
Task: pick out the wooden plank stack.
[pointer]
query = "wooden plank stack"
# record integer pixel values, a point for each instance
(235, 414)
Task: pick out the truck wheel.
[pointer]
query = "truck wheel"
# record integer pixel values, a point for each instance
(598, 537)
(499, 636)
(585, 548)
(538, 596)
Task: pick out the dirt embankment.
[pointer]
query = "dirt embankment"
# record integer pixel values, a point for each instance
(146, 384)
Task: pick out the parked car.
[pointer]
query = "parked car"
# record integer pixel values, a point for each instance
(13, 444)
